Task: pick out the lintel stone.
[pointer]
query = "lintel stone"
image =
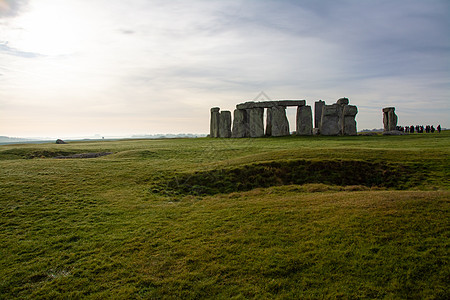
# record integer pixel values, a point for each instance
(268, 104)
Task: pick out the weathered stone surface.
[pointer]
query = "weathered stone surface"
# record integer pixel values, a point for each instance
(240, 124)
(214, 124)
(280, 123)
(267, 104)
(330, 120)
(318, 106)
(225, 124)
(342, 101)
(256, 122)
(269, 122)
(389, 118)
(348, 120)
(304, 120)
(59, 141)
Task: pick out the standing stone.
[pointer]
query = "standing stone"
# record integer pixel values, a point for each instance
(318, 106)
(214, 125)
(225, 124)
(389, 118)
(304, 120)
(256, 122)
(330, 120)
(348, 120)
(280, 123)
(240, 124)
(342, 101)
(269, 121)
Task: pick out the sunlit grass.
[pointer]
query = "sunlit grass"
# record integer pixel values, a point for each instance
(94, 227)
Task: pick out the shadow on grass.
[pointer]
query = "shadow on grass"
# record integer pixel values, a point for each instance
(330, 172)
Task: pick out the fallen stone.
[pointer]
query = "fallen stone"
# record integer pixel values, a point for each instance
(394, 132)
(59, 141)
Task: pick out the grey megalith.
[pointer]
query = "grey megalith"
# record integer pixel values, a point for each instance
(280, 124)
(269, 121)
(214, 125)
(318, 106)
(389, 118)
(240, 124)
(330, 120)
(348, 120)
(256, 122)
(304, 120)
(225, 124)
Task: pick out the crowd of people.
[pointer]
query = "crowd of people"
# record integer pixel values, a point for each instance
(419, 129)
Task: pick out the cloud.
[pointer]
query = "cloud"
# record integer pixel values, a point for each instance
(4, 48)
(143, 58)
(11, 8)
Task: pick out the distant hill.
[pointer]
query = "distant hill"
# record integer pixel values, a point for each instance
(14, 140)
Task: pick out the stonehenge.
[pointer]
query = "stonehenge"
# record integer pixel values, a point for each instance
(248, 119)
(389, 119)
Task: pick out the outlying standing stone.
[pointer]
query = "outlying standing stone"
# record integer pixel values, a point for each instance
(59, 141)
(389, 118)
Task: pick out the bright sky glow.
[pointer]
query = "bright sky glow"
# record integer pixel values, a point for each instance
(79, 67)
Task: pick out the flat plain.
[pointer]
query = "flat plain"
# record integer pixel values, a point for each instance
(291, 217)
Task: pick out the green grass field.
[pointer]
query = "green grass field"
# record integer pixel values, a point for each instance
(291, 217)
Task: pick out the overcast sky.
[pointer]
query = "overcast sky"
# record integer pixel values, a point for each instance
(114, 67)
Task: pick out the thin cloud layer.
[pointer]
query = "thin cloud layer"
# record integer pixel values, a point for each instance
(124, 67)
